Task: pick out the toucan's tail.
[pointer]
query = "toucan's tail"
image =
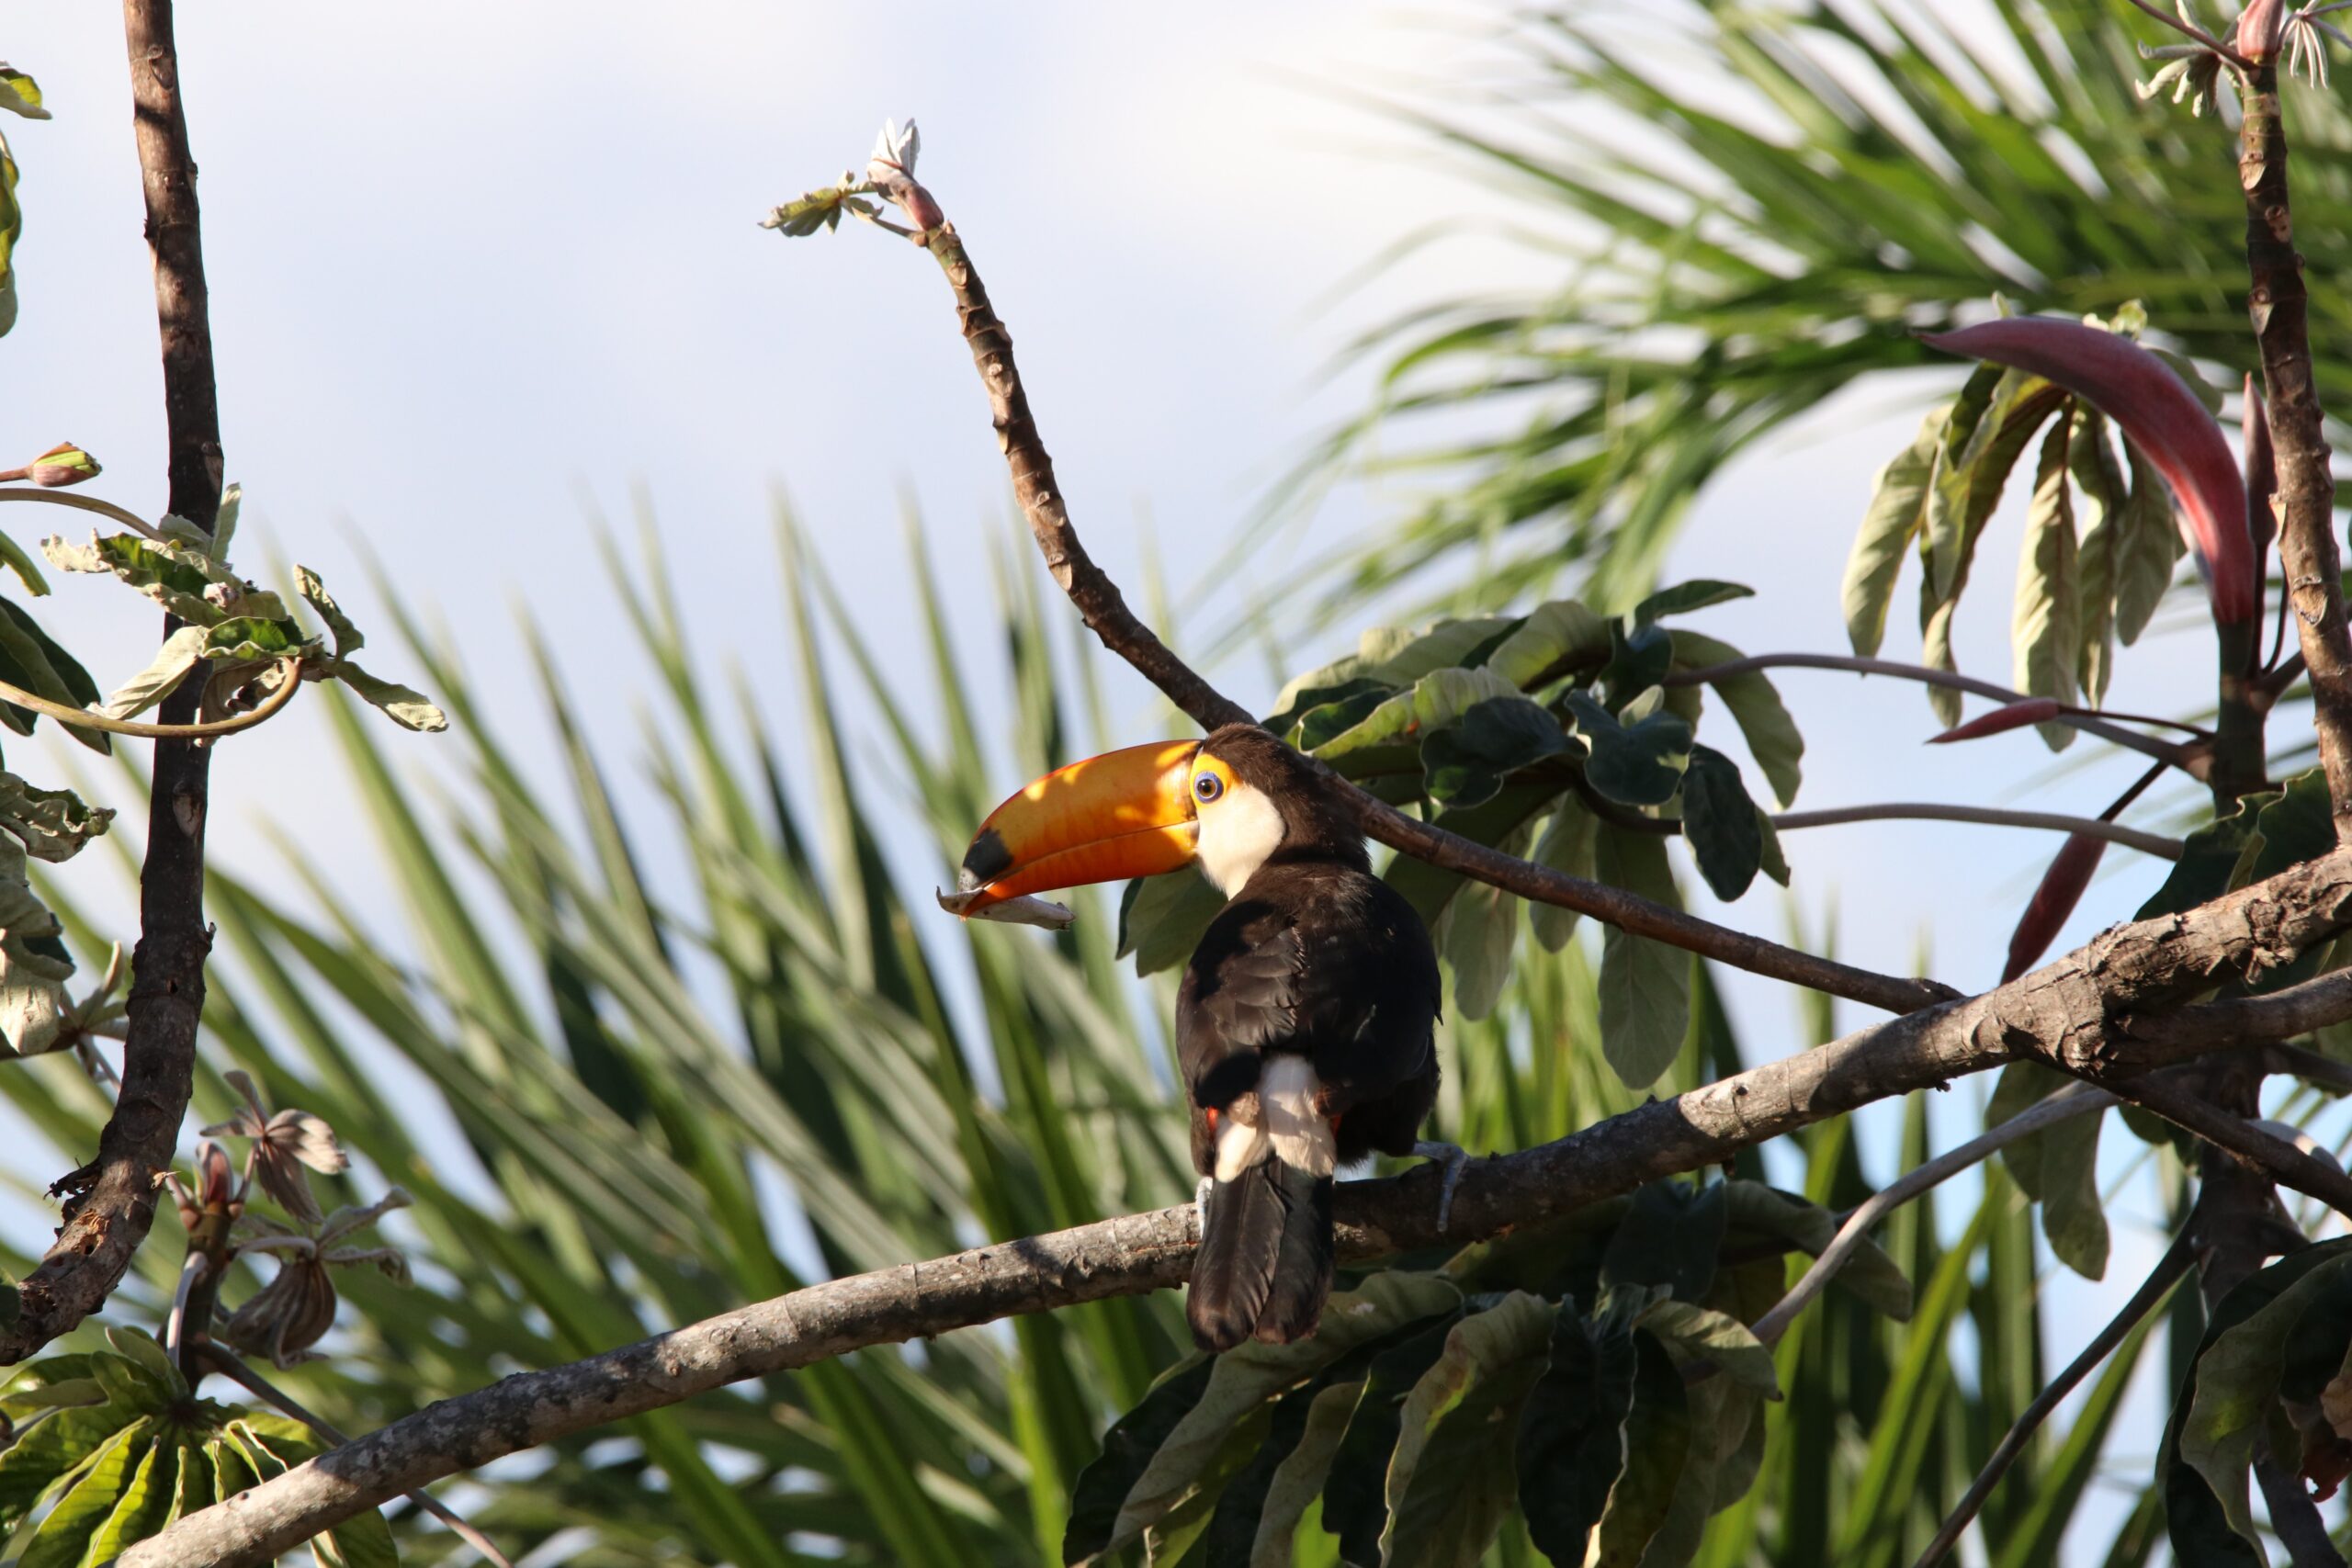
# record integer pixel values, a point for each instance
(1264, 1267)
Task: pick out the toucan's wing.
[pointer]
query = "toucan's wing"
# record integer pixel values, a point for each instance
(1368, 992)
(1240, 996)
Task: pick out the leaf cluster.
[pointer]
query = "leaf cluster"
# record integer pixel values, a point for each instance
(109, 1447)
(1560, 734)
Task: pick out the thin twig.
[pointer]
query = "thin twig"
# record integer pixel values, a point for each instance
(83, 718)
(112, 1200)
(130, 520)
(2276, 1158)
(2153, 1291)
(2179, 756)
(2200, 34)
(237, 1369)
(2155, 844)
(2074, 1099)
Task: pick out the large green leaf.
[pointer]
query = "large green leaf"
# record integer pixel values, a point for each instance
(2045, 627)
(1572, 1444)
(1451, 1479)
(1644, 985)
(1897, 512)
(1756, 706)
(1721, 823)
(1637, 759)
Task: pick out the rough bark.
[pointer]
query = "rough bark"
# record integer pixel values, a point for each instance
(112, 1200)
(2061, 1014)
(2279, 307)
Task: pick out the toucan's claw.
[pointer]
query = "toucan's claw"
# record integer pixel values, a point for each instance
(1456, 1159)
(1201, 1202)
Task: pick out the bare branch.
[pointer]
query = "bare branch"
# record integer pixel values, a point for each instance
(2155, 844)
(112, 1200)
(2280, 308)
(2273, 1158)
(2058, 1014)
(106, 509)
(2151, 1295)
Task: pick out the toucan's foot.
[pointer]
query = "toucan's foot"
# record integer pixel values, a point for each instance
(1201, 1202)
(1456, 1160)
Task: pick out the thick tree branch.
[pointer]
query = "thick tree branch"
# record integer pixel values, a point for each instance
(113, 1198)
(2279, 307)
(2058, 1014)
(1106, 614)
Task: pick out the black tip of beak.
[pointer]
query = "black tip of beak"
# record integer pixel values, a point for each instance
(986, 860)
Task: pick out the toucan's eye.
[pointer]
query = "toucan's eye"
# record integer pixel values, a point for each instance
(1207, 787)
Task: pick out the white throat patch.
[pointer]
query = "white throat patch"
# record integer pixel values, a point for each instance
(1237, 835)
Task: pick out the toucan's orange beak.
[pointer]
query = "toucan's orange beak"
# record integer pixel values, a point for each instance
(1125, 814)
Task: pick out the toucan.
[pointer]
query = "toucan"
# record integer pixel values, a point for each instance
(1306, 1022)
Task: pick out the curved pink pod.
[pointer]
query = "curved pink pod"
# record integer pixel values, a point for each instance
(2156, 410)
(2007, 717)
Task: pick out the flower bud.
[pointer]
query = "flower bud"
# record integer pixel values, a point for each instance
(63, 464)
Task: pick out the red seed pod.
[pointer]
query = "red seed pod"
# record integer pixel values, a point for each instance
(2009, 716)
(2061, 890)
(2156, 410)
(2261, 473)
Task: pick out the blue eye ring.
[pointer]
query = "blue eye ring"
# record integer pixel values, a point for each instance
(1207, 787)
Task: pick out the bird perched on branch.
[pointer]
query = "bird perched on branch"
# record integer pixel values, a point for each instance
(1306, 1022)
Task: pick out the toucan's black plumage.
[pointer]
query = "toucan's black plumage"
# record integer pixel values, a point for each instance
(1305, 1028)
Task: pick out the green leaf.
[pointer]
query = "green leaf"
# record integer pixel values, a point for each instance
(163, 1375)
(175, 576)
(409, 709)
(1162, 919)
(2046, 629)
(52, 1446)
(2209, 861)
(1768, 859)
(1555, 639)
(2237, 1378)
(15, 558)
(1657, 1440)
(1668, 1239)
(1973, 470)
(1298, 1481)
(1572, 1430)
(1635, 764)
(65, 1537)
(145, 1502)
(347, 637)
(1355, 1494)
(2105, 495)
(1703, 1335)
(1644, 985)
(1754, 1212)
(1327, 721)
(25, 662)
(1242, 1380)
(1565, 845)
(1897, 509)
(1464, 765)
(2148, 547)
(1481, 928)
(1444, 645)
(1720, 822)
(1128, 1448)
(180, 653)
(1435, 701)
(1640, 654)
(1684, 597)
(20, 94)
(250, 638)
(1756, 706)
(1450, 1481)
